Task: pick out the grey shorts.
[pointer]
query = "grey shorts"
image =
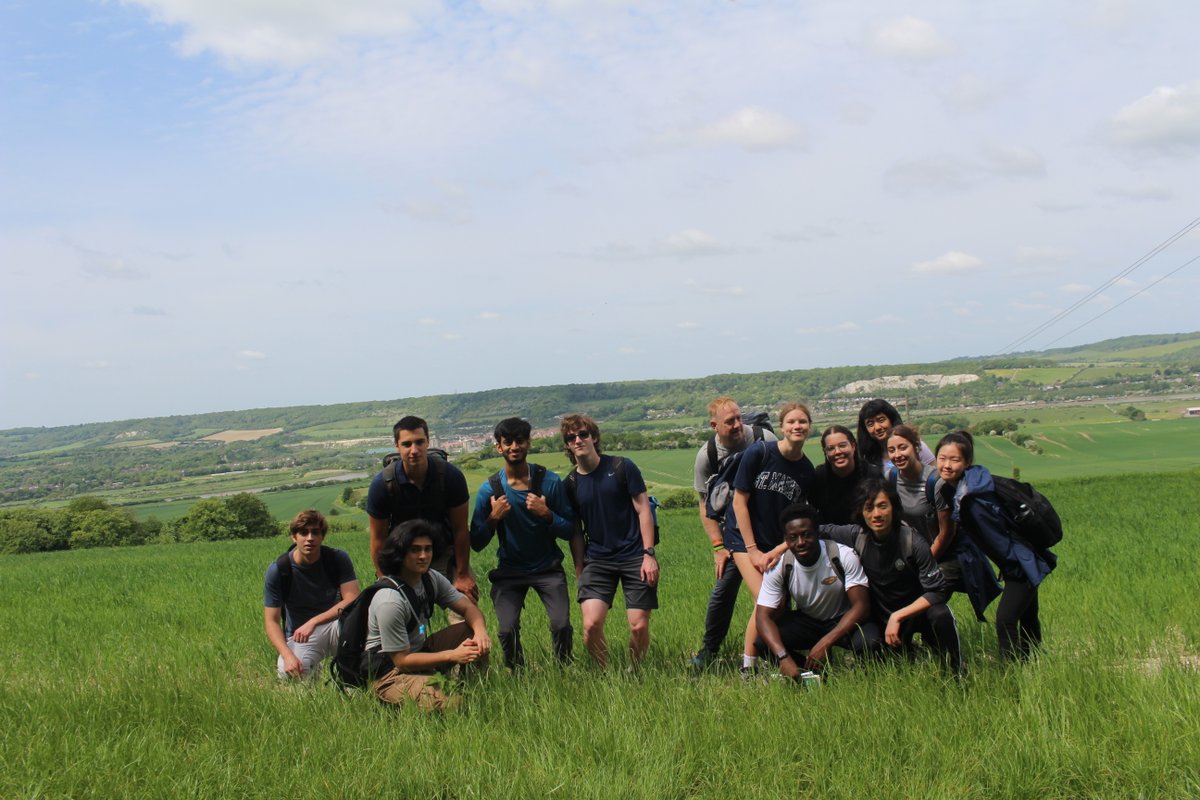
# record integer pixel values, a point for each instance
(599, 582)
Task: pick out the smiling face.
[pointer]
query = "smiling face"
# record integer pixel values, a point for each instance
(901, 452)
(877, 514)
(839, 453)
(800, 535)
(514, 451)
(879, 427)
(796, 426)
(951, 463)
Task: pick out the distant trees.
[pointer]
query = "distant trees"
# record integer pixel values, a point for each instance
(91, 522)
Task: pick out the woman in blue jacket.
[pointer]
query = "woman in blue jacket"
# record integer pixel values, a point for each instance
(969, 490)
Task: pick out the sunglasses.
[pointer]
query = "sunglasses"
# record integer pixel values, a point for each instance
(584, 434)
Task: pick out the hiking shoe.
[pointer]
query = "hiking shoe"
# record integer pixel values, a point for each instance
(702, 660)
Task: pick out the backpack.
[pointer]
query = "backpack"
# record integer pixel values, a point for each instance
(285, 565)
(718, 489)
(831, 550)
(350, 668)
(619, 468)
(433, 493)
(906, 543)
(931, 483)
(537, 475)
(757, 421)
(1032, 516)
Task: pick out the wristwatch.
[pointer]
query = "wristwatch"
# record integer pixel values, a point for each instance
(650, 552)
(783, 655)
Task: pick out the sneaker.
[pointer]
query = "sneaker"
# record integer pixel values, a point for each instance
(702, 660)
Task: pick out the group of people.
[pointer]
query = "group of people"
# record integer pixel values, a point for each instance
(861, 552)
(903, 528)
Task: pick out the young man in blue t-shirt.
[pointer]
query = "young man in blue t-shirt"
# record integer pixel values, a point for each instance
(525, 507)
(613, 509)
(312, 585)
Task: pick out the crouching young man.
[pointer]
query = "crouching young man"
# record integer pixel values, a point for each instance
(401, 651)
(311, 583)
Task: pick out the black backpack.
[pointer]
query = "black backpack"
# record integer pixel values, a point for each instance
(619, 468)
(718, 490)
(835, 558)
(351, 668)
(1033, 518)
(285, 565)
(537, 476)
(756, 421)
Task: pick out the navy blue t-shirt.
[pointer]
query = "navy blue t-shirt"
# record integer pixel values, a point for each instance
(430, 502)
(774, 483)
(607, 513)
(311, 592)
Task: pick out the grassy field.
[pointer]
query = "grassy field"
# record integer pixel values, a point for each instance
(143, 672)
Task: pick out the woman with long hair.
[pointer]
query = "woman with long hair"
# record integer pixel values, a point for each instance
(970, 493)
(875, 422)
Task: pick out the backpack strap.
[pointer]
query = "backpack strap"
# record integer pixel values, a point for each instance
(286, 568)
(906, 542)
(537, 477)
(619, 469)
(757, 431)
(860, 541)
(789, 564)
(422, 611)
(497, 486)
(712, 455)
(893, 477)
(835, 558)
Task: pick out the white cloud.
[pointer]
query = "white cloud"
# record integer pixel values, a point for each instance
(890, 319)
(753, 129)
(627, 351)
(1075, 288)
(427, 321)
(692, 242)
(687, 325)
(251, 355)
(938, 173)
(1154, 192)
(910, 39)
(952, 262)
(969, 93)
(1166, 120)
(99, 363)
(1044, 255)
(148, 311)
(488, 316)
(451, 336)
(841, 327)
(289, 33)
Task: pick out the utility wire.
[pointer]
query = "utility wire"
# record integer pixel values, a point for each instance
(1187, 263)
(1070, 309)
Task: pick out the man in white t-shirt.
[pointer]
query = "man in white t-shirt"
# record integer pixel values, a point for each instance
(829, 590)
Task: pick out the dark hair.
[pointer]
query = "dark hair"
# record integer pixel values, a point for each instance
(513, 429)
(868, 445)
(797, 511)
(965, 442)
(842, 429)
(574, 422)
(395, 547)
(309, 519)
(909, 434)
(869, 490)
(409, 423)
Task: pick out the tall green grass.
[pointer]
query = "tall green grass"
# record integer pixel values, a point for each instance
(144, 672)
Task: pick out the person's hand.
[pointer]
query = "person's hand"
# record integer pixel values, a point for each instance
(772, 557)
(500, 508)
(758, 559)
(891, 634)
(466, 652)
(817, 657)
(536, 505)
(483, 642)
(304, 632)
(292, 666)
(465, 583)
(650, 569)
(789, 668)
(720, 560)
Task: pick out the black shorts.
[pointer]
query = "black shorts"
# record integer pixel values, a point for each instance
(599, 582)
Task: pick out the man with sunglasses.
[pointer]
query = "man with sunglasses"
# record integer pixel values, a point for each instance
(525, 507)
(309, 585)
(610, 502)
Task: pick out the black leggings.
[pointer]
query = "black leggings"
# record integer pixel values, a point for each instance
(1017, 624)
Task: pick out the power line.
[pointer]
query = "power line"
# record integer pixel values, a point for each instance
(1127, 299)
(1074, 306)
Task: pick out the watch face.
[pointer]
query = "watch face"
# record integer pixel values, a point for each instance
(649, 551)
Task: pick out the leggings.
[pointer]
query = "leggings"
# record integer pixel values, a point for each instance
(1017, 624)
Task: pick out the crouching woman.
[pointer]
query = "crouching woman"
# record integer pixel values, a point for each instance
(401, 651)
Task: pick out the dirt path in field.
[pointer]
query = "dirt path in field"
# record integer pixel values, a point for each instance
(1087, 436)
(241, 436)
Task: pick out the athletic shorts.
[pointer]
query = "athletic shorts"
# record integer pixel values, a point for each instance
(599, 582)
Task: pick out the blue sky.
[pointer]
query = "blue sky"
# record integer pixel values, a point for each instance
(221, 204)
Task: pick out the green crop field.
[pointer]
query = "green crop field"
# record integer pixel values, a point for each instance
(143, 673)
(1037, 375)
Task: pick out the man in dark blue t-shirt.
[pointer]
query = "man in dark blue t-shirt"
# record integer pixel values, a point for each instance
(423, 488)
(613, 508)
(311, 583)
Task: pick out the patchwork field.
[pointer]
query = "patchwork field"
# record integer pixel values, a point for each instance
(176, 696)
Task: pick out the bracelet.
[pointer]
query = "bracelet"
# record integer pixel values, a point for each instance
(750, 547)
(718, 546)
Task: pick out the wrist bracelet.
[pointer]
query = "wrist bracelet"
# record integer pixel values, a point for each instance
(718, 546)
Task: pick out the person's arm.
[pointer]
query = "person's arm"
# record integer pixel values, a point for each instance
(463, 580)
(379, 531)
(860, 606)
(716, 540)
(945, 535)
(469, 651)
(349, 591)
(273, 624)
(891, 633)
(486, 516)
(561, 517)
(741, 513)
(641, 504)
(768, 631)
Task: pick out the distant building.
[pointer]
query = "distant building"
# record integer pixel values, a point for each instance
(1191, 412)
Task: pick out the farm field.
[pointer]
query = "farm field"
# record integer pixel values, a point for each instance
(177, 697)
